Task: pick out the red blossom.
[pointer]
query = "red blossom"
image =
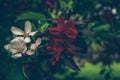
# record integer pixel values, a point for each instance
(51, 3)
(55, 49)
(64, 29)
(63, 36)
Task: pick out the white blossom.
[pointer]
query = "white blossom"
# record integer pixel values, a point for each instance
(27, 31)
(33, 47)
(17, 47)
(26, 40)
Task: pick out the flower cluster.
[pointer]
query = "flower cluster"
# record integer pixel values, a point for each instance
(61, 40)
(62, 37)
(18, 47)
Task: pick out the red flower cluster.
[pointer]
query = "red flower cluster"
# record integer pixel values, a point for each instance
(51, 3)
(55, 48)
(63, 36)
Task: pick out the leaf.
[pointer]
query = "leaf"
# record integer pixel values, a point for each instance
(31, 15)
(43, 28)
(66, 5)
(101, 27)
(14, 73)
(71, 64)
(88, 33)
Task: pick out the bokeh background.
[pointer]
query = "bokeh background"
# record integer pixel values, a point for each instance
(100, 30)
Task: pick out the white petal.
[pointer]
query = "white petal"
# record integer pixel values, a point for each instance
(24, 50)
(33, 47)
(38, 41)
(27, 27)
(17, 31)
(27, 39)
(30, 52)
(7, 46)
(10, 48)
(17, 39)
(13, 51)
(32, 33)
(17, 55)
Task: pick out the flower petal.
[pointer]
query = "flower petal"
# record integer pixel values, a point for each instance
(59, 50)
(71, 33)
(49, 48)
(10, 48)
(17, 55)
(50, 3)
(24, 50)
(57, 41)
(27, 27)
(33, 47)
(55, 30)
(7, 46)
(70, 23)
(30, 52)
(38, 41)
(17, 39)
(32, 33)
(17, 31)
(60, 21)
(27, 40)
(13, 51)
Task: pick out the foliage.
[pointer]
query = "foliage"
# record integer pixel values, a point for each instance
(95, 36)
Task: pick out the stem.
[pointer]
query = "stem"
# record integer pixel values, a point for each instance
(25, 75)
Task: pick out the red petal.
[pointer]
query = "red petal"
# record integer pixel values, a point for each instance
(60, 21)
(49, 48)
(70, 23)
(53, 63)
(50, 3)
(55, 30)
(57, 57)
(56, 41)
(71, 33)
(59, 50)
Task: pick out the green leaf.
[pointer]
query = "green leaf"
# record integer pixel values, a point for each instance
(66, 5)
(43, 28)
(101, 27)
(31, 15)
(14, 73)
(71, 64)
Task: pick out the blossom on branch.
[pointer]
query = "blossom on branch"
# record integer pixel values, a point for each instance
(26, 33)
(17, 47)
(62, 37)
(64, 29)
(22, 44)
(33, 47)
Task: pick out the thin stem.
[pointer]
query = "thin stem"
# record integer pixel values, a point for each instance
(25, 75)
